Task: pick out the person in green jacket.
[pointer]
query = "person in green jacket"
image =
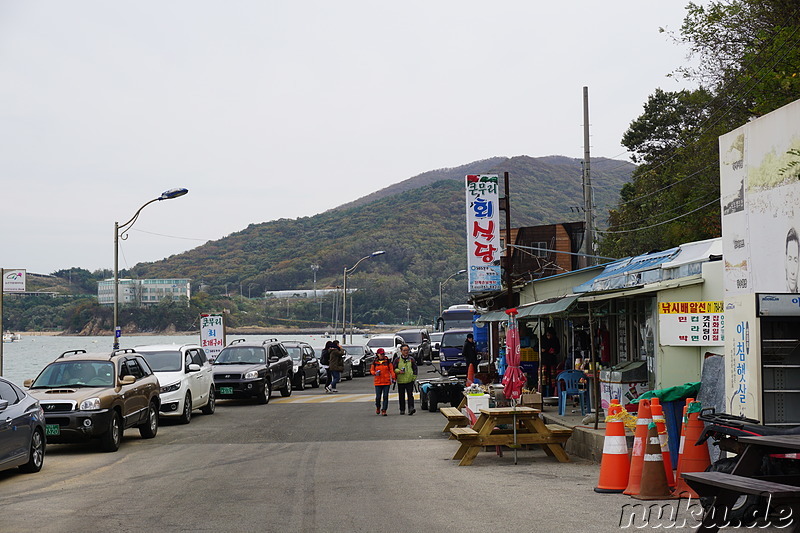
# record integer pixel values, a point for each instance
(405, 370)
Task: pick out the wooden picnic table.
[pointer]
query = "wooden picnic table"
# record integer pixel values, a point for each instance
(744, 479)
(531, 429)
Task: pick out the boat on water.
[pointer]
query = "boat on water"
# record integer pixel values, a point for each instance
(11, 337)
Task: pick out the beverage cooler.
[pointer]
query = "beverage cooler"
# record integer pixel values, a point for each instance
(624, 382)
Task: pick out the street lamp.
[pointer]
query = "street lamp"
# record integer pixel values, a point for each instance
(440, 288)
(166, 195)
(314, 269)
(250, 287)
(344, 291)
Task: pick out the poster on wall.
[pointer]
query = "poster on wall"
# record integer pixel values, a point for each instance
(760, 202)
(483, 232)
(691, 324)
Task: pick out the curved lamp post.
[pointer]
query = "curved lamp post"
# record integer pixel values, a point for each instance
(442, 283)
(123, 234)
(344, 291)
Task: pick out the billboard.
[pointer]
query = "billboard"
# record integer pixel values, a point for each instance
(14, 280)
(691, 324)
(212, 334)
(760, 201)
(483, 232)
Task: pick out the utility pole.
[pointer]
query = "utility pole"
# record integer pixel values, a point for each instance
(588, 240)
(505, 206)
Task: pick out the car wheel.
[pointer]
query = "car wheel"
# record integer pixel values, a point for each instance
(315, 383)
(211, 406)
(301, 382)
(36, 456)
(433, 401)
(149, 429)
(110, 440)
(263, 398)
(186, 415)
(286, 391)
(350, 374)
(364, 370)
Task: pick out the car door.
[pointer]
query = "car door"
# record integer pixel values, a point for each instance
(14, 429)
(279, 365)
(134, 395)
(309, 368)
(200, 381)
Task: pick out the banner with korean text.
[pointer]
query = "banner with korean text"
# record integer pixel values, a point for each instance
(212, 334)
(483, 232)
(691, 324)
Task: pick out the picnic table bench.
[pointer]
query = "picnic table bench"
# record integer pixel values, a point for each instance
(455, 418)
(725, 488)
(531, 430)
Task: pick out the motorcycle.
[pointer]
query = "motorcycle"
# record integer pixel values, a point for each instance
(447, 388)
(724, 430)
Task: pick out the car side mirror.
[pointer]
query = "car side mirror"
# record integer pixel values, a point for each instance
(127, 380)
(193, 367)
(27, 383)
(274, 359)
(3, 405)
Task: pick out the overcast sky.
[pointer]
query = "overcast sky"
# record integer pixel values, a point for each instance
(281, 109)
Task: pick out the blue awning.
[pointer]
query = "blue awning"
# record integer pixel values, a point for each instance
(629, 272)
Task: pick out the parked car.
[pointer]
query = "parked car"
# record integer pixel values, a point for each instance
(419, 341)
(389, 343)
(253, 370)
(436, 340)
(450, 351)
(186, 379)
(305, 365)
(22, 440)
(97, 396)
(362, 357)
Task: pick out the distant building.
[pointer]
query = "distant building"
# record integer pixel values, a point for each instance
(143, 291)
(303, 293)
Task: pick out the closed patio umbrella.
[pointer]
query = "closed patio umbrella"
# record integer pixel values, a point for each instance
(514, 378)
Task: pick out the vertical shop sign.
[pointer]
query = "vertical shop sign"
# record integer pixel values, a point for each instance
(212, 334)
(483, 232)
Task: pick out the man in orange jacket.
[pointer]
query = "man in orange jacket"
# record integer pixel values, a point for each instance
(383, 370)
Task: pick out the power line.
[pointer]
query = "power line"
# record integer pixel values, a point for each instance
(661, 223)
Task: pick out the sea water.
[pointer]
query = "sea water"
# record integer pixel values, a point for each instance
(25, 358)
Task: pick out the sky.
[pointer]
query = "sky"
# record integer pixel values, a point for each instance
(269, 109)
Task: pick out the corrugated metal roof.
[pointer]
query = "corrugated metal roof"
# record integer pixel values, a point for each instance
(629, 272)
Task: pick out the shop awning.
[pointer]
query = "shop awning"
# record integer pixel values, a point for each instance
(553, 306)
(653, 287)
(492, 316)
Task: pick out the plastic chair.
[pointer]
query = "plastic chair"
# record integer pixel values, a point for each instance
(568, 386)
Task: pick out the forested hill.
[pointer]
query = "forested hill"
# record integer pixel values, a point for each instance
(418, 222)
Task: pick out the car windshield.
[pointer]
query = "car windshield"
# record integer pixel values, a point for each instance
(163, 361)
(76, 374)
(454, 340)
(412, 337)
(237, 355)
(385, 342)
(436, 337)
(295, 352)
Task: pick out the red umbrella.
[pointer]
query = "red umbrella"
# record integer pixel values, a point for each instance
(514, 378)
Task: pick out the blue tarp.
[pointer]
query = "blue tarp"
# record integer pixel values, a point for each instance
(629, 272)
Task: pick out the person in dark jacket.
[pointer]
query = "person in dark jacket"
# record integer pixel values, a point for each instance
(470, 352)
(325, 361)
(336, 366)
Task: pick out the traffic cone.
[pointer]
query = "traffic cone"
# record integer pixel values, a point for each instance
(661, 425)
(615, 464)
(654, 479)
(639, 444)
(684, 421)
(470, 374)
(693, 458)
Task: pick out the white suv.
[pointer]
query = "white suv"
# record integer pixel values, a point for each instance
(184, 373)
(389, 343)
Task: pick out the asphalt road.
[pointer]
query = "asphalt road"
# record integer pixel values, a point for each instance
(311, 462)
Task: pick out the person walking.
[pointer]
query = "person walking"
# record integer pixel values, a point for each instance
(325, 361)
(383, 370)
(336, 365)
(405, 369)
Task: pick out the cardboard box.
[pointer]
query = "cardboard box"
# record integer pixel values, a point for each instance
(531, 399)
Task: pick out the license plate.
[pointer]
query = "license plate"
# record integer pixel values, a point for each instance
(52, 429)
(226, 390)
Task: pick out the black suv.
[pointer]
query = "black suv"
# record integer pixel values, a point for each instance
(419, 341)
(252, 370)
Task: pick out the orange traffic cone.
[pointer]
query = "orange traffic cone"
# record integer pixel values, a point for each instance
(470, 374)
(661, 426)
(639, 443)
(684, 421)
(654, 479)
(693, 458)
(615, 464)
